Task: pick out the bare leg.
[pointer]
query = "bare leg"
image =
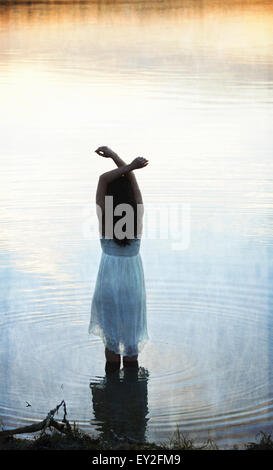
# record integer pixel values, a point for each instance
(130, 358)
(111, 356)
(130, 361)
(111, 367)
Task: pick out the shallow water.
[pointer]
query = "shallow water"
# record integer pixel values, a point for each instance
(189, 85)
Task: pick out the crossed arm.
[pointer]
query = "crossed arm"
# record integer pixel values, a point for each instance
(137, 193)
(122, 169)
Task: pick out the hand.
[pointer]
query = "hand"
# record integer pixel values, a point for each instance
(105, 152)
(139, 162)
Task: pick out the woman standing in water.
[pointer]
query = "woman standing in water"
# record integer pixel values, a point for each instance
(118, 311)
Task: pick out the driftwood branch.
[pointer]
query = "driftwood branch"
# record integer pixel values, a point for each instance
(49, 421)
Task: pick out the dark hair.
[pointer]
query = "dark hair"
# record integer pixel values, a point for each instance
(122, 192)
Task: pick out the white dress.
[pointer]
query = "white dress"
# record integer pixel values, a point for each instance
(118, 311)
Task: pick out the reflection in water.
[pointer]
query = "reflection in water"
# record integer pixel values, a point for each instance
(120, 404)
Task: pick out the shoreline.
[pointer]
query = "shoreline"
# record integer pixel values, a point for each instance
(78, 440)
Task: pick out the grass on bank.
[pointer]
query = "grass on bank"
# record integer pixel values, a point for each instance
(77, 440)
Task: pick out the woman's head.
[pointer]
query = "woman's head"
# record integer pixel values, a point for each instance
(122, 192)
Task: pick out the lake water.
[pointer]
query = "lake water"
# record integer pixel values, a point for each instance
(189, 86)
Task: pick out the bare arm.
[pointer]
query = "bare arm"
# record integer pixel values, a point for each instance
(108, 153)
(106, 178)
(122, 169)
(137, 193)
